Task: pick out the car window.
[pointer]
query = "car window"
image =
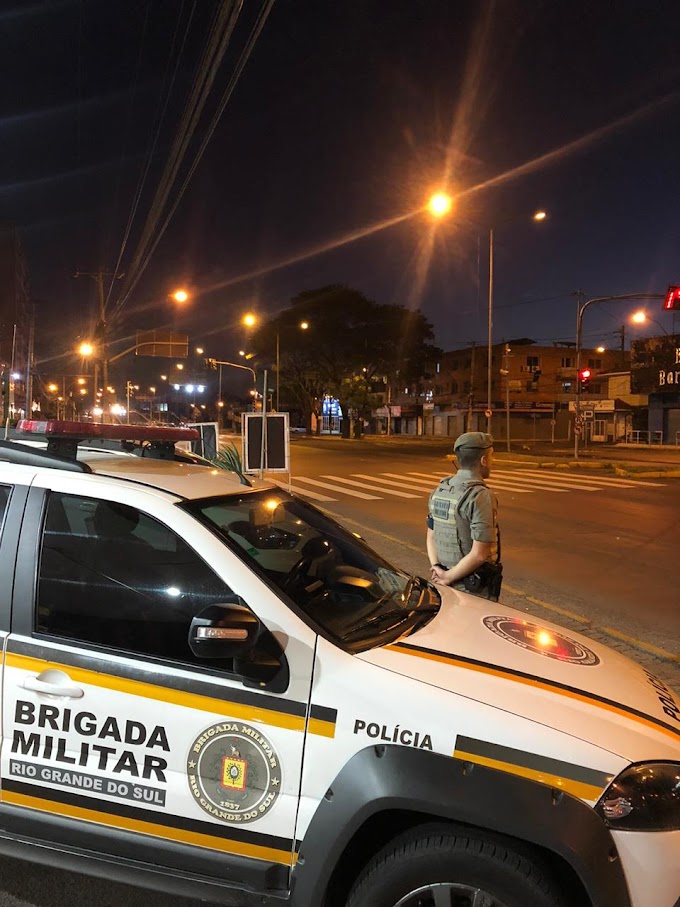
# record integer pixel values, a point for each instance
(112, 575)
(330, 573)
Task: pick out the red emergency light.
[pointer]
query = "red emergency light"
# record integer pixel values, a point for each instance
(584, 374)
(64, 437)
(55, 428)
(672, 300)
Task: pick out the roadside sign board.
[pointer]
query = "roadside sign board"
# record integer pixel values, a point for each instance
(207, 444)
(276, 456)
(162, 343)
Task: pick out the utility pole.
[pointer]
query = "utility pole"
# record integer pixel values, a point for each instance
(101, 330)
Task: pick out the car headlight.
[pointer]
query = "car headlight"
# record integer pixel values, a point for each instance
(644, 797)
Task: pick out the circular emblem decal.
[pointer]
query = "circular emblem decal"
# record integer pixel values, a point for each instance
(234, 772)
(543, 642)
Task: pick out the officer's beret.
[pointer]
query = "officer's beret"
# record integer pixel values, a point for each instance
(473, 440)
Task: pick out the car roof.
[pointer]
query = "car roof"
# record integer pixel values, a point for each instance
(185, 480)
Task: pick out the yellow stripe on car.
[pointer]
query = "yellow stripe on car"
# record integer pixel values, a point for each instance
(213, 842)
(241, 711)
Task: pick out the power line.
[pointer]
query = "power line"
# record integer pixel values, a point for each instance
(257, 28)
(154, 137)
(218, 40)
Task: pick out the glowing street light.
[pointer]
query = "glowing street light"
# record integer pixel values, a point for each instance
(440, 204)
(180, 296)
(86, 349)
(641, 317)
(249, 320)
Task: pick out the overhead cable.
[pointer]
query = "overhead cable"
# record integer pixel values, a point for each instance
(257, 28)
(155, 133)
(218, 41)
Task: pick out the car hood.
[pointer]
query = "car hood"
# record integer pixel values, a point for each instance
(499, 656)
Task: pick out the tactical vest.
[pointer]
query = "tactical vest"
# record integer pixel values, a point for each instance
(452, 537)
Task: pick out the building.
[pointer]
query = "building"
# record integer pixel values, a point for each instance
(531, 389)
(655, 370)
(15, 323)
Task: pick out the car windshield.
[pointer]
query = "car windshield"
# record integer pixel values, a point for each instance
(353, 594)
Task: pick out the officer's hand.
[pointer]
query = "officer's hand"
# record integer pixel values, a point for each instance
(439, 575)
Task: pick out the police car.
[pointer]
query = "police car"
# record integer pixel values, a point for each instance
(212, 689)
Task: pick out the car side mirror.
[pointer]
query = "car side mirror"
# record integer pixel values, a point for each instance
(233, 632)
(223, 631)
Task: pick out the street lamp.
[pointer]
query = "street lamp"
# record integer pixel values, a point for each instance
(439, 205)
(303, 325)
(180, 296)
(579, 336)
(642, 317)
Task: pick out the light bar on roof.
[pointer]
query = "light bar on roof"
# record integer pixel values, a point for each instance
(54, 428)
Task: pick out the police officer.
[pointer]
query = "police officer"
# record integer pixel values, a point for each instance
(463, 540)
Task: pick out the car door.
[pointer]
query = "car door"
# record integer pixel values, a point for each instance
(117, 739)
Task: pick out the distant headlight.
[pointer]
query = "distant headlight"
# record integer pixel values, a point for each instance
(643, 798)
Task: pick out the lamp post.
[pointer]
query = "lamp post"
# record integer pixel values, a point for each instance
(579, 336)
(642, 318)
(440, 205)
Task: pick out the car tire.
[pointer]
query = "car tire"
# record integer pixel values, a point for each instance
(475, 870)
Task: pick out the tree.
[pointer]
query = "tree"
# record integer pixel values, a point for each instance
(352, 349)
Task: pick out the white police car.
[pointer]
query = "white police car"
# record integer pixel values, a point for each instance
(216, 690)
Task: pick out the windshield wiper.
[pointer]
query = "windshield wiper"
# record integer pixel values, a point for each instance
(373, 624)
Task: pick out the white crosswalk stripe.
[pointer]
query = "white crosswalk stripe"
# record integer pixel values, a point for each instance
(352, 494)
(400, 483)
(420, 484)
(396, 494)
(546, 482)
(314, 495)
(592, 480)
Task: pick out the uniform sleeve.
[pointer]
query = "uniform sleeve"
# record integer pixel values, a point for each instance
(482, 516)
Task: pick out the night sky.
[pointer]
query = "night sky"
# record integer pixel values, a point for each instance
(347, 115)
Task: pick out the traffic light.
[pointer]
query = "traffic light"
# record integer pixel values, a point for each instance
(672, 300)
(584, 379)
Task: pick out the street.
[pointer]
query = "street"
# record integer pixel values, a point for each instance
(585, 548)
(595, 544)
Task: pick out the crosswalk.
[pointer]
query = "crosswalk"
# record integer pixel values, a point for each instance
(375, 487)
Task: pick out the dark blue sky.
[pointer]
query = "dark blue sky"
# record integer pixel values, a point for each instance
(347, 115)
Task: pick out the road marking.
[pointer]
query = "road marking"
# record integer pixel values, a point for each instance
(597, 480)
(395, 475)
(398, 494)
(400, 483)
(314, 495)
(547, 483)
(353, 494)
(509, 486)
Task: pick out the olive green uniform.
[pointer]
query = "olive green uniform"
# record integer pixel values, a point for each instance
(477, 509)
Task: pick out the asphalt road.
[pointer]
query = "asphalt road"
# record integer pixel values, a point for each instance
(601, 546)
(590, 550)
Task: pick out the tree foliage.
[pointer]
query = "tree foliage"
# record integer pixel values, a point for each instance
(352, 349)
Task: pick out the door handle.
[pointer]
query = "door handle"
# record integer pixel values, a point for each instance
(53, 683)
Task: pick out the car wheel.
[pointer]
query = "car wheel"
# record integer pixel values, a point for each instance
(437, 868)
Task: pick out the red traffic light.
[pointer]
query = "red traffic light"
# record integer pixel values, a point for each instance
(584, 374)
(672, 300)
